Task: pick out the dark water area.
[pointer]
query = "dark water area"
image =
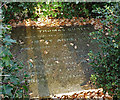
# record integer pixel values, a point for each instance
(58, 55)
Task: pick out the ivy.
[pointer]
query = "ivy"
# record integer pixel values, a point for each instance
(33, 10)
(11, 86)
(106, 63)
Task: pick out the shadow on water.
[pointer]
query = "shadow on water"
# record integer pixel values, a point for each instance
(58, 56)
(79, 46)
(24, 36)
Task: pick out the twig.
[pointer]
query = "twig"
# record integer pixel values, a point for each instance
(2, 5)
(15, 92)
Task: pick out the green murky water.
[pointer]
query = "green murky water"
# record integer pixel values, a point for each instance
(58, 56)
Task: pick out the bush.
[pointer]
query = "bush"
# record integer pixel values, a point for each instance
(18, 10)
(11, 85)
(23, 10)
(106, 63)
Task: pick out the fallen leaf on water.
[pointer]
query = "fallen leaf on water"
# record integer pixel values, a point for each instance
(87, 59)
(41, 40)
(75, 47)
(30, 93)
(45, 52)
(88, 45)
(113, 40)
(38, 27)
(21, 42)
(46, 42)
(35, 56)
(65, 45)
(31, 60)
(71, 44)
(57, 62)
(61, 27)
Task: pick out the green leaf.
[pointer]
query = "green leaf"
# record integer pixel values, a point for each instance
(20, 67)
(8, 40)
(26, 75)
(1, 36)
(6, 60)
(14, 80)
(25, 87)
(115, 45)
(7, 89)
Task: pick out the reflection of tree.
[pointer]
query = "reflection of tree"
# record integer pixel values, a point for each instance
(38, 86)
(33, 85)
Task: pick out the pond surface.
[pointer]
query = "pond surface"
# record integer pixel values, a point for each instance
(58, 56)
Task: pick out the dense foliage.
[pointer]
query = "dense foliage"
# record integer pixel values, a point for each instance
(106, 63)
(12, 86)
(23, 10)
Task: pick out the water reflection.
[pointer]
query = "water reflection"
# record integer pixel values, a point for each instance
(58, 56)
(60, 66)
(38, 84)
